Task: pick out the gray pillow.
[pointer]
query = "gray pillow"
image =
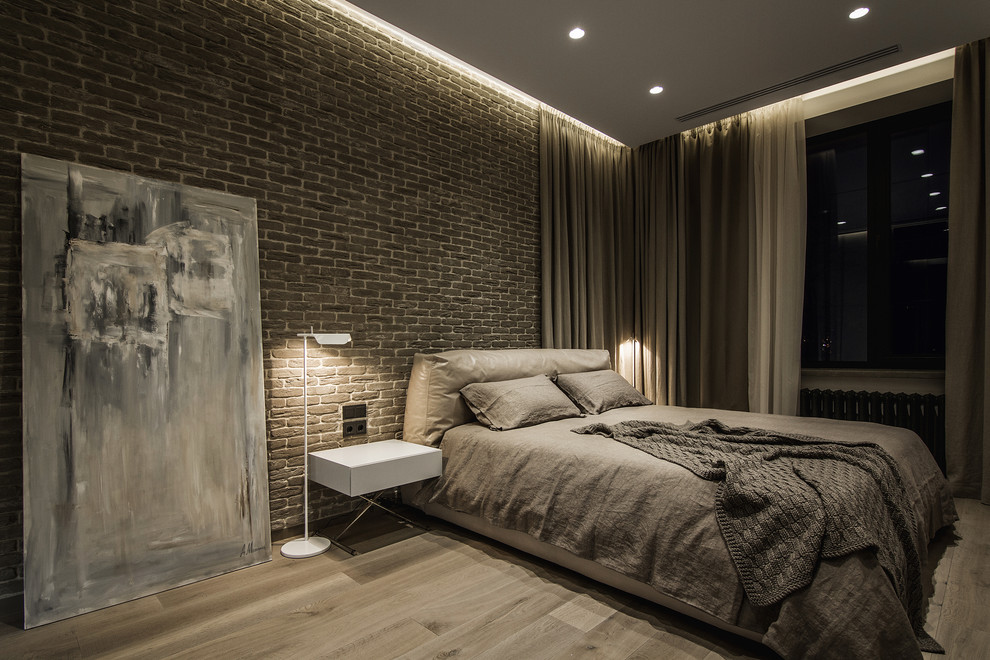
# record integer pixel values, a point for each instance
(511, 404)
(598, 391)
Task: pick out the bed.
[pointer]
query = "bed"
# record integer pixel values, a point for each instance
(615, 513)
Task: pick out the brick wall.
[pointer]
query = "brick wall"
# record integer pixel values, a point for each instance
(397, 198)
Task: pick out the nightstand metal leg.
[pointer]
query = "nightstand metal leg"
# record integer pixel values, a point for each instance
(370, 502)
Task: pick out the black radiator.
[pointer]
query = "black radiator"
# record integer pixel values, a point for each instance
(922, 413)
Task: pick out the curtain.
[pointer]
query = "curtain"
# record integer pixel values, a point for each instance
(967, 379)
(683, 257)
(720, 221)
(587, 241)
(659, 348)
(777, 230)
(714, 201)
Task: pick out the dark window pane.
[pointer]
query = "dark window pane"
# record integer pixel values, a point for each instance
(877, 245)
(835, 307)
(919, 194)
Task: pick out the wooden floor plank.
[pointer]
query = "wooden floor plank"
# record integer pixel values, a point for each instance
(386, 643)
(540, 640)
(485, 631)
(583, 612)
(614, 638)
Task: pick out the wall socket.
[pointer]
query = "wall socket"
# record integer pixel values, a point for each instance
(355, 419)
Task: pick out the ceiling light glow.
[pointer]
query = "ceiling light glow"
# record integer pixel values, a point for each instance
(917, 152)
(841, 222)
(656, 89)
(934, 194)
(859, 13)
(941, 208)
(576, 33)
(927, 175)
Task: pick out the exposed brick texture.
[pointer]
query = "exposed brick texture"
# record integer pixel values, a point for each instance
(397, 198)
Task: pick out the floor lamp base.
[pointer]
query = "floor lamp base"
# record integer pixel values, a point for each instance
(308, 547)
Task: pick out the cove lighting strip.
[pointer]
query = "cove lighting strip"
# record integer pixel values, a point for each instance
(417, 44)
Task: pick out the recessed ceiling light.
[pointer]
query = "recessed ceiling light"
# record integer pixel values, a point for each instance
(859, 13)
(576, 33)
(841, 222)
(941, 208)
(927, 175)
(656, 89)
(917, 152)
(934, 194)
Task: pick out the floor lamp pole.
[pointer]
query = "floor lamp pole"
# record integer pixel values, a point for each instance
(307, 546)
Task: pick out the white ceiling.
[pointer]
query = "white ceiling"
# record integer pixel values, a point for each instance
(703, 52)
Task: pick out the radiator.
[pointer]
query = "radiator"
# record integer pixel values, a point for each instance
(922, 413)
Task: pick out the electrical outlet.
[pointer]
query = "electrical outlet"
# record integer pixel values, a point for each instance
(355, 419)
(355, 411)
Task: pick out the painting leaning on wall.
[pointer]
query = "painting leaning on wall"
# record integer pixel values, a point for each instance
(144, 430)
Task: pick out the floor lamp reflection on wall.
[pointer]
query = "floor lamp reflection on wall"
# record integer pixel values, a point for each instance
(310, 546)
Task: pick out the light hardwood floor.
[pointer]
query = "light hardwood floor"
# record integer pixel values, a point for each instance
(447, 593)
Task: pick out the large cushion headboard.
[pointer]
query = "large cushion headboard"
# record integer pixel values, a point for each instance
(434, 403)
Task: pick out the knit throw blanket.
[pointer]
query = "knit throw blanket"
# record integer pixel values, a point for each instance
(785, 501)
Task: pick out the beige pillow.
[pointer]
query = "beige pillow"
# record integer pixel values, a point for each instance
(598, 391)
(510, 404)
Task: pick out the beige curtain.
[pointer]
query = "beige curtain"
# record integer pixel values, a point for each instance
(777, 228)
(967, 370)
(587, 261)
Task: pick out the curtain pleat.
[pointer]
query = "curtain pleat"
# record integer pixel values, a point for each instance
(967, 372)
(586, 202)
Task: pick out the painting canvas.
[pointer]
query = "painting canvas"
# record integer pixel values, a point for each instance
(144, 434)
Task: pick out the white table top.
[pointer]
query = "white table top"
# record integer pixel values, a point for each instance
(373, 452)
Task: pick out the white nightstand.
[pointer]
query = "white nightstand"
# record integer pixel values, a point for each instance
(373, 468)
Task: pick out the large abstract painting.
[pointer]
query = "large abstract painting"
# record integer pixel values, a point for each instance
(144, 433)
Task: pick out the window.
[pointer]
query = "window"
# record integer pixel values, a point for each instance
(877, 248)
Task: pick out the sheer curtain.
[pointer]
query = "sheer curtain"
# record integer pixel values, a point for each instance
(587, 253)
(777, 230)
(967, 339)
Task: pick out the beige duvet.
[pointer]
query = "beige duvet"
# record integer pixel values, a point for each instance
(654, 521)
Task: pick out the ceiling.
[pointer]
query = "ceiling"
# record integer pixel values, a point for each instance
(703, 52)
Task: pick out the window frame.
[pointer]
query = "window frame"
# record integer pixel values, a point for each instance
(879, 230)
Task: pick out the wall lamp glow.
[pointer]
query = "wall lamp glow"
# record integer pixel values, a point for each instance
(859, 13)
(310, 546)
(576, 33)
(656, 89)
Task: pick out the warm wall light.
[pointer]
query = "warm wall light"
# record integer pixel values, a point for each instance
(576, 33)
(310, 546)
(859, 13)
(628, 350)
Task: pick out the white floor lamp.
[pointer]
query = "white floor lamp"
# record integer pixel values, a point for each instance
(310, 546)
